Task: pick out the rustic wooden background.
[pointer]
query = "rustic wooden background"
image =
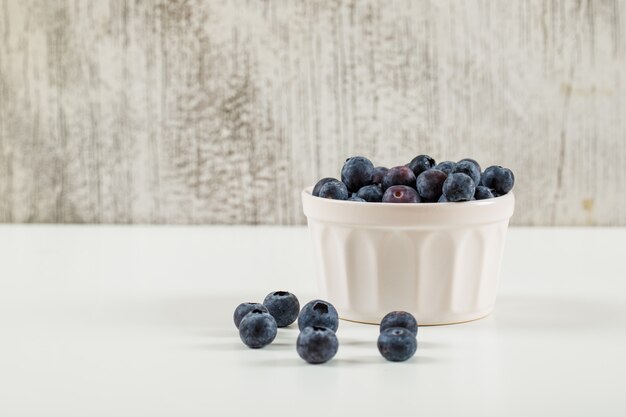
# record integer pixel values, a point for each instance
(222, 111)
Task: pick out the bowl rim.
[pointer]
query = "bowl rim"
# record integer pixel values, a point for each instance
(488, 201)
(407, 214)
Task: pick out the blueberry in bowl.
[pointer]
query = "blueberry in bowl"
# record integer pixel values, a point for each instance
(357, 172)
(400, 175)
(401, 194)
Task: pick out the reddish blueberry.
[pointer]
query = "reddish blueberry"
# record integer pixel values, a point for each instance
(401, 194)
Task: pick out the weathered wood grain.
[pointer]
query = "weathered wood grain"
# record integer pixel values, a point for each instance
(222, 111)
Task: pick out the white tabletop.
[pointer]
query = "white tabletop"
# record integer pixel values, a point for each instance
(137, 321)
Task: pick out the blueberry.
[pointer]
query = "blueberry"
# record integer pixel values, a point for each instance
(401, 194)
(244, 308)
(401, 175)
(397, 344)
(283, 306)
(430, 184)
(420, 164)
(473, 161)
(357, 172)
(442, 199)
(371, 193)
(399, 319)
(257, 329)
(317, 344)
(379, 173)
(320, 183)
(468, 167)
(499, 179)
(482, 193)
(335, 190)
(458, 187)
(318, 313)
(357, 198)
(446, 166)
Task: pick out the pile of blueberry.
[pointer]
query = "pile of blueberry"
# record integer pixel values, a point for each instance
(420, 181)
(318, 322)
(398, 336)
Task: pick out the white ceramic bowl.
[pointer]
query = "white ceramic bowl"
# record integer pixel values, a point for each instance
(439, 261)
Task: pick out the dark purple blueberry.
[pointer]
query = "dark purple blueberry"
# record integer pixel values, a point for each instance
(430, 184)
(401, 175)
(317, 344)
(257, 329)
(320, 183)
(401, 194)
(468, 167)
(335, 190)
(482, 193)
(442, 199)
(283, 306)
(243, 309)
(318, 313)
(357, 199)
(458, 187)
(371, 193)
(379, 173)
(397, 344)
(399, 319)
(499, 179)
(357, 172)
(420, 164)
(446, 166)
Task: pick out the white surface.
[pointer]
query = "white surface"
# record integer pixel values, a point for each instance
(137, 321)
(440, 262)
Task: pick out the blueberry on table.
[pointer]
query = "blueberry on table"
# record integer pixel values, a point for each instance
(499, 179)
(458, 187)
(318, 313)
(320, 183)
(244, 308)
(397, 344)
(257, 329)
(317, 344)
(401, 175)
(402, 319)
(482, 193)
(335, 190)
(357, 172)
(442, 199)
(401, 194)
(379, 173)
(468, 167)
(430, 184)
(371, 193)
(283, 306)
(420, 164)
(446, 166)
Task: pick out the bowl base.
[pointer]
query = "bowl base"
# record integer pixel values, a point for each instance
(469, 318)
